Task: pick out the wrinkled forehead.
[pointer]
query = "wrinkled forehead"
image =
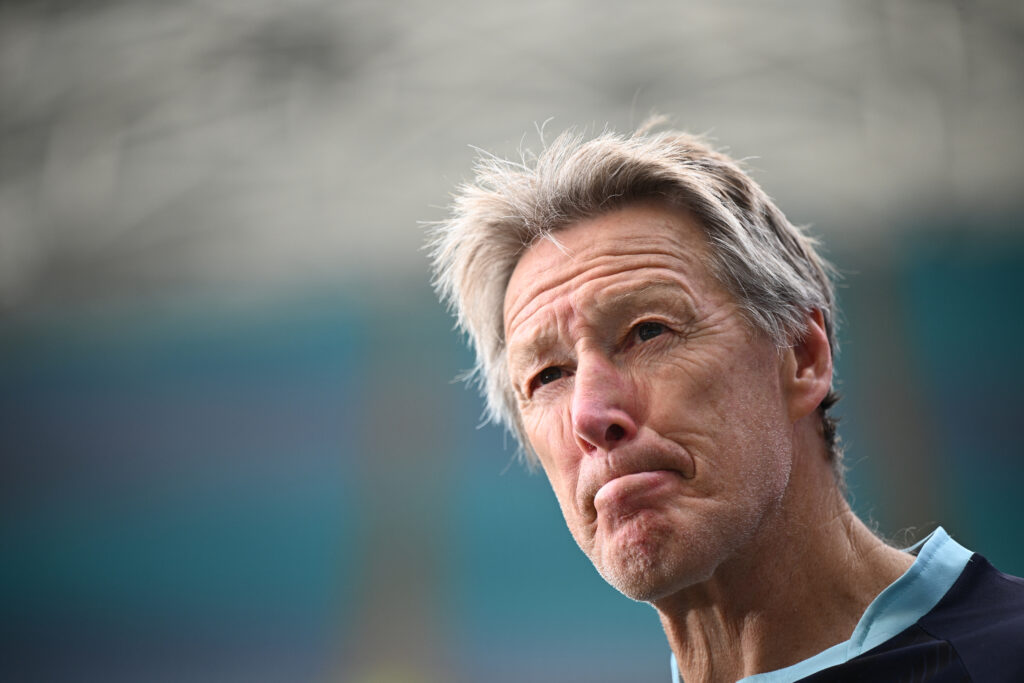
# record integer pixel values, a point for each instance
(620, 249)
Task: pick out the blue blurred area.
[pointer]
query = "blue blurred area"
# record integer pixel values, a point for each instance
(526, 602)
(180, 492)
(932, 369)
(230, 446)
(212, 491)
(964, 303)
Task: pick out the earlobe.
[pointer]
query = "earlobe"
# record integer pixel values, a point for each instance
(808, 368)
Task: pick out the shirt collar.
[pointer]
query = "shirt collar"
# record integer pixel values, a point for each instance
(939, 563)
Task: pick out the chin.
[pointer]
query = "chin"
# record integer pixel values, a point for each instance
(647, 580)
(646, 566)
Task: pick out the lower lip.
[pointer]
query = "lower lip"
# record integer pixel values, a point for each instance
(634, 491)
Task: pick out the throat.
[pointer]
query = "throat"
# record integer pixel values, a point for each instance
(764, 613)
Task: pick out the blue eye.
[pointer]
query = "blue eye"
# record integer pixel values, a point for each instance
(549, 375)
(648, 330)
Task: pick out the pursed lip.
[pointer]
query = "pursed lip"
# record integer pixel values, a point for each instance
(621, 464)
(631, 490)
(631, 474)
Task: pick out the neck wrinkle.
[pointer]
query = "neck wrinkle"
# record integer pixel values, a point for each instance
(799, 588)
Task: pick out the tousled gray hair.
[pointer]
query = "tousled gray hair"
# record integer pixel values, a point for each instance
(769, 265)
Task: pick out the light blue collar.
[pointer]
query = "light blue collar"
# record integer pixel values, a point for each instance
(938, 565)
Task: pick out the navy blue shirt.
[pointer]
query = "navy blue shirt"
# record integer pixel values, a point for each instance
(951, 617)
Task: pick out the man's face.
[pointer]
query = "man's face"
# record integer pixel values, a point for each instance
(657, 412)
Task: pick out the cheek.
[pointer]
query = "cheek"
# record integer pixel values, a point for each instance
(729, 416)
(549, 430)
(755, 427)
(679, 397)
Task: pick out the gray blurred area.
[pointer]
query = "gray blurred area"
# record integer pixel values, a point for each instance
(151, 145)
(230, 449)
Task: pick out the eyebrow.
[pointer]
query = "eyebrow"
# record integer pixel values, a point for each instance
(525, 355)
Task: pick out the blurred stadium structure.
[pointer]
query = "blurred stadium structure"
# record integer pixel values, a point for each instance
(229, 448)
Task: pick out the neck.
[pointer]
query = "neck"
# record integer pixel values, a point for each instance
(800, 588)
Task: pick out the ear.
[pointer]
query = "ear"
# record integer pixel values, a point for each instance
(807, 368)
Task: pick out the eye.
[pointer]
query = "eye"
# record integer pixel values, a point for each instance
(548, 375)
(648, 330)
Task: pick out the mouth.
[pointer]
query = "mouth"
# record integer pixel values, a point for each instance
(634, 484)
(626, 495)
(633, 476)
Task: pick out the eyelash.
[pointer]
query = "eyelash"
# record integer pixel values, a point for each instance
(537, 380)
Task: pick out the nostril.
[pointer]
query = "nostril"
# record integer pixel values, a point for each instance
(614, 433)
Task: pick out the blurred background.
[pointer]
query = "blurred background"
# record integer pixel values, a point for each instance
(231, 448)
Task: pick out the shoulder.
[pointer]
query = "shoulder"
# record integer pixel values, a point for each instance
(982, 617)
(973, 633)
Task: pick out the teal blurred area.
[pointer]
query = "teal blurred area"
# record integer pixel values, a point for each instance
(932, 371)
(232, 446)
(297, 491)
(180, 486)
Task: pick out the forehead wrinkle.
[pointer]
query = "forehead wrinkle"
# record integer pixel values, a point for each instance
(643, 242)
(658, 289)
(528, 299)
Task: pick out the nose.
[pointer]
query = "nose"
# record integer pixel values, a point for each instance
(602, 406)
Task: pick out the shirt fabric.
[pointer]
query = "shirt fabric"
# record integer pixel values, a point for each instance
(950, 617)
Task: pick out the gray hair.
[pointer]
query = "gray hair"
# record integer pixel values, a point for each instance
(769, 265)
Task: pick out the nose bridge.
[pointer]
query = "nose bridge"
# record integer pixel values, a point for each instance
(602, 405)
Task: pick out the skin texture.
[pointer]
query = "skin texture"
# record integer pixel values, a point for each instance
(684, 447)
